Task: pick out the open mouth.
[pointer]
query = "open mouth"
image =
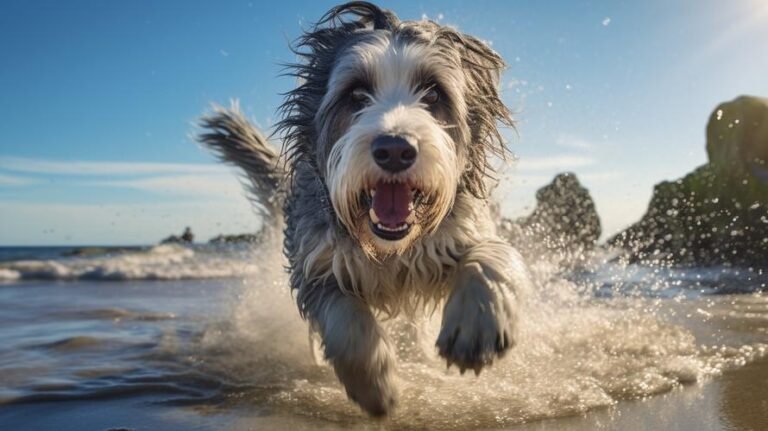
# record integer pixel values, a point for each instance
(392, 209)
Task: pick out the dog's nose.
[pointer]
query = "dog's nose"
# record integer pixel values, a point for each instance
(393, 153)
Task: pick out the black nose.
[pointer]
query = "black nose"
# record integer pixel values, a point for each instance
(393, 153)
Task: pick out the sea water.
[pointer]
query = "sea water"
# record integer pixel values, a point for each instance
(210, 335)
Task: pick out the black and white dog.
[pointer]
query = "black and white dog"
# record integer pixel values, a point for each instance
(383, 190)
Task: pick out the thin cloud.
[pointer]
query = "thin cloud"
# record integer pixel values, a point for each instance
(554, 163)
(573, 142)
(540, 179)
(185, 185)
(177, 179)
(13, 180)
(102, 168)
(600, 176)
(45, 223)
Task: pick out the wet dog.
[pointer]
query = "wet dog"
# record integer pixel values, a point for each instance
(383, 191)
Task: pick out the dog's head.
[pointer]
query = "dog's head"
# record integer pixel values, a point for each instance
(396, 117)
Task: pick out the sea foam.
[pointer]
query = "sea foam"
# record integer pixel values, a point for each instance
(161, 262)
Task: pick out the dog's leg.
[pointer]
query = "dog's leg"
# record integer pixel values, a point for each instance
(358, 350)
(479, 317)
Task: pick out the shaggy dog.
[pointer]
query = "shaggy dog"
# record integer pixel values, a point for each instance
(383, 190)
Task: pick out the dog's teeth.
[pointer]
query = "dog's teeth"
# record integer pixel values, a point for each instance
(399, 228)
(372, 215)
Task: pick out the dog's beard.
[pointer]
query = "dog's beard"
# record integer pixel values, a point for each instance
(386, 212)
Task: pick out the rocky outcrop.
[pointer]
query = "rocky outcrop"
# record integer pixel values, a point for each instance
(737, 137)
(718, 214)
(243, 238)
(564, 221)
(186, 238)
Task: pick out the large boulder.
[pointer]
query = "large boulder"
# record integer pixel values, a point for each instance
(564, 221)
(718, 214)
(737, 136)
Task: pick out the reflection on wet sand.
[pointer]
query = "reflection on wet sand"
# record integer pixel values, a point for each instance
(744, 403)
(736, 400)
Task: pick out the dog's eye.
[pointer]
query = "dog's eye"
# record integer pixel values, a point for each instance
(360, 95)
(431, 96)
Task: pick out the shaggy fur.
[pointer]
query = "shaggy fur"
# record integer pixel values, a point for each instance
(364, 74)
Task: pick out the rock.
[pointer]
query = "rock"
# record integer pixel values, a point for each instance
(186, 238)
(247, 238)
(718, 214)
(737, 136)
(564, 221)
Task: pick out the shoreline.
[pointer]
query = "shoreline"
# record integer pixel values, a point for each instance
(738, 399)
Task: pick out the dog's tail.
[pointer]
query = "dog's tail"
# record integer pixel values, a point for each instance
(235, 141)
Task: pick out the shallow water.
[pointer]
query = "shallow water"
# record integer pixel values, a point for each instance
(204, 338)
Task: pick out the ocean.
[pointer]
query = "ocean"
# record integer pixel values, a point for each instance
(207, 337)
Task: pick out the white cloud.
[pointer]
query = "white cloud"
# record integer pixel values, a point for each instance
(164, 178)
(27, 223)
(553, 163)
(573, 142)
(82, 167)
(13, 180)
(596, 177)
(536, 179)
(216, 185)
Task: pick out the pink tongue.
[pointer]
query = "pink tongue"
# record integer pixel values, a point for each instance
(391, 203)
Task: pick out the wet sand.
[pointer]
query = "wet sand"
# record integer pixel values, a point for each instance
(737, 400)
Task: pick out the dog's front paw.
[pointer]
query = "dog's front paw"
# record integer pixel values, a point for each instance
(477, 321)
(369, 382)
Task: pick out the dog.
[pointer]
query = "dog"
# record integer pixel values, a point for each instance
(382, 189)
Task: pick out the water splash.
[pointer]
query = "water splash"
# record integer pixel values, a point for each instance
(577, 352)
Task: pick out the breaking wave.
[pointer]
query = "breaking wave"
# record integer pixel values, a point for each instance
(161, 262)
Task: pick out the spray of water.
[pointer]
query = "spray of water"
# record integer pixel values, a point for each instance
(577, 352)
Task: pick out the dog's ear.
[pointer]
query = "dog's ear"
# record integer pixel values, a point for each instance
(482, 68)
(317, 51)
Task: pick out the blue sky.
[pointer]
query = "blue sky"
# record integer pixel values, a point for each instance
(98, 101)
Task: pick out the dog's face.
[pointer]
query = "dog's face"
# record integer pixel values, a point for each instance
(406, 115)
(393, 151)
